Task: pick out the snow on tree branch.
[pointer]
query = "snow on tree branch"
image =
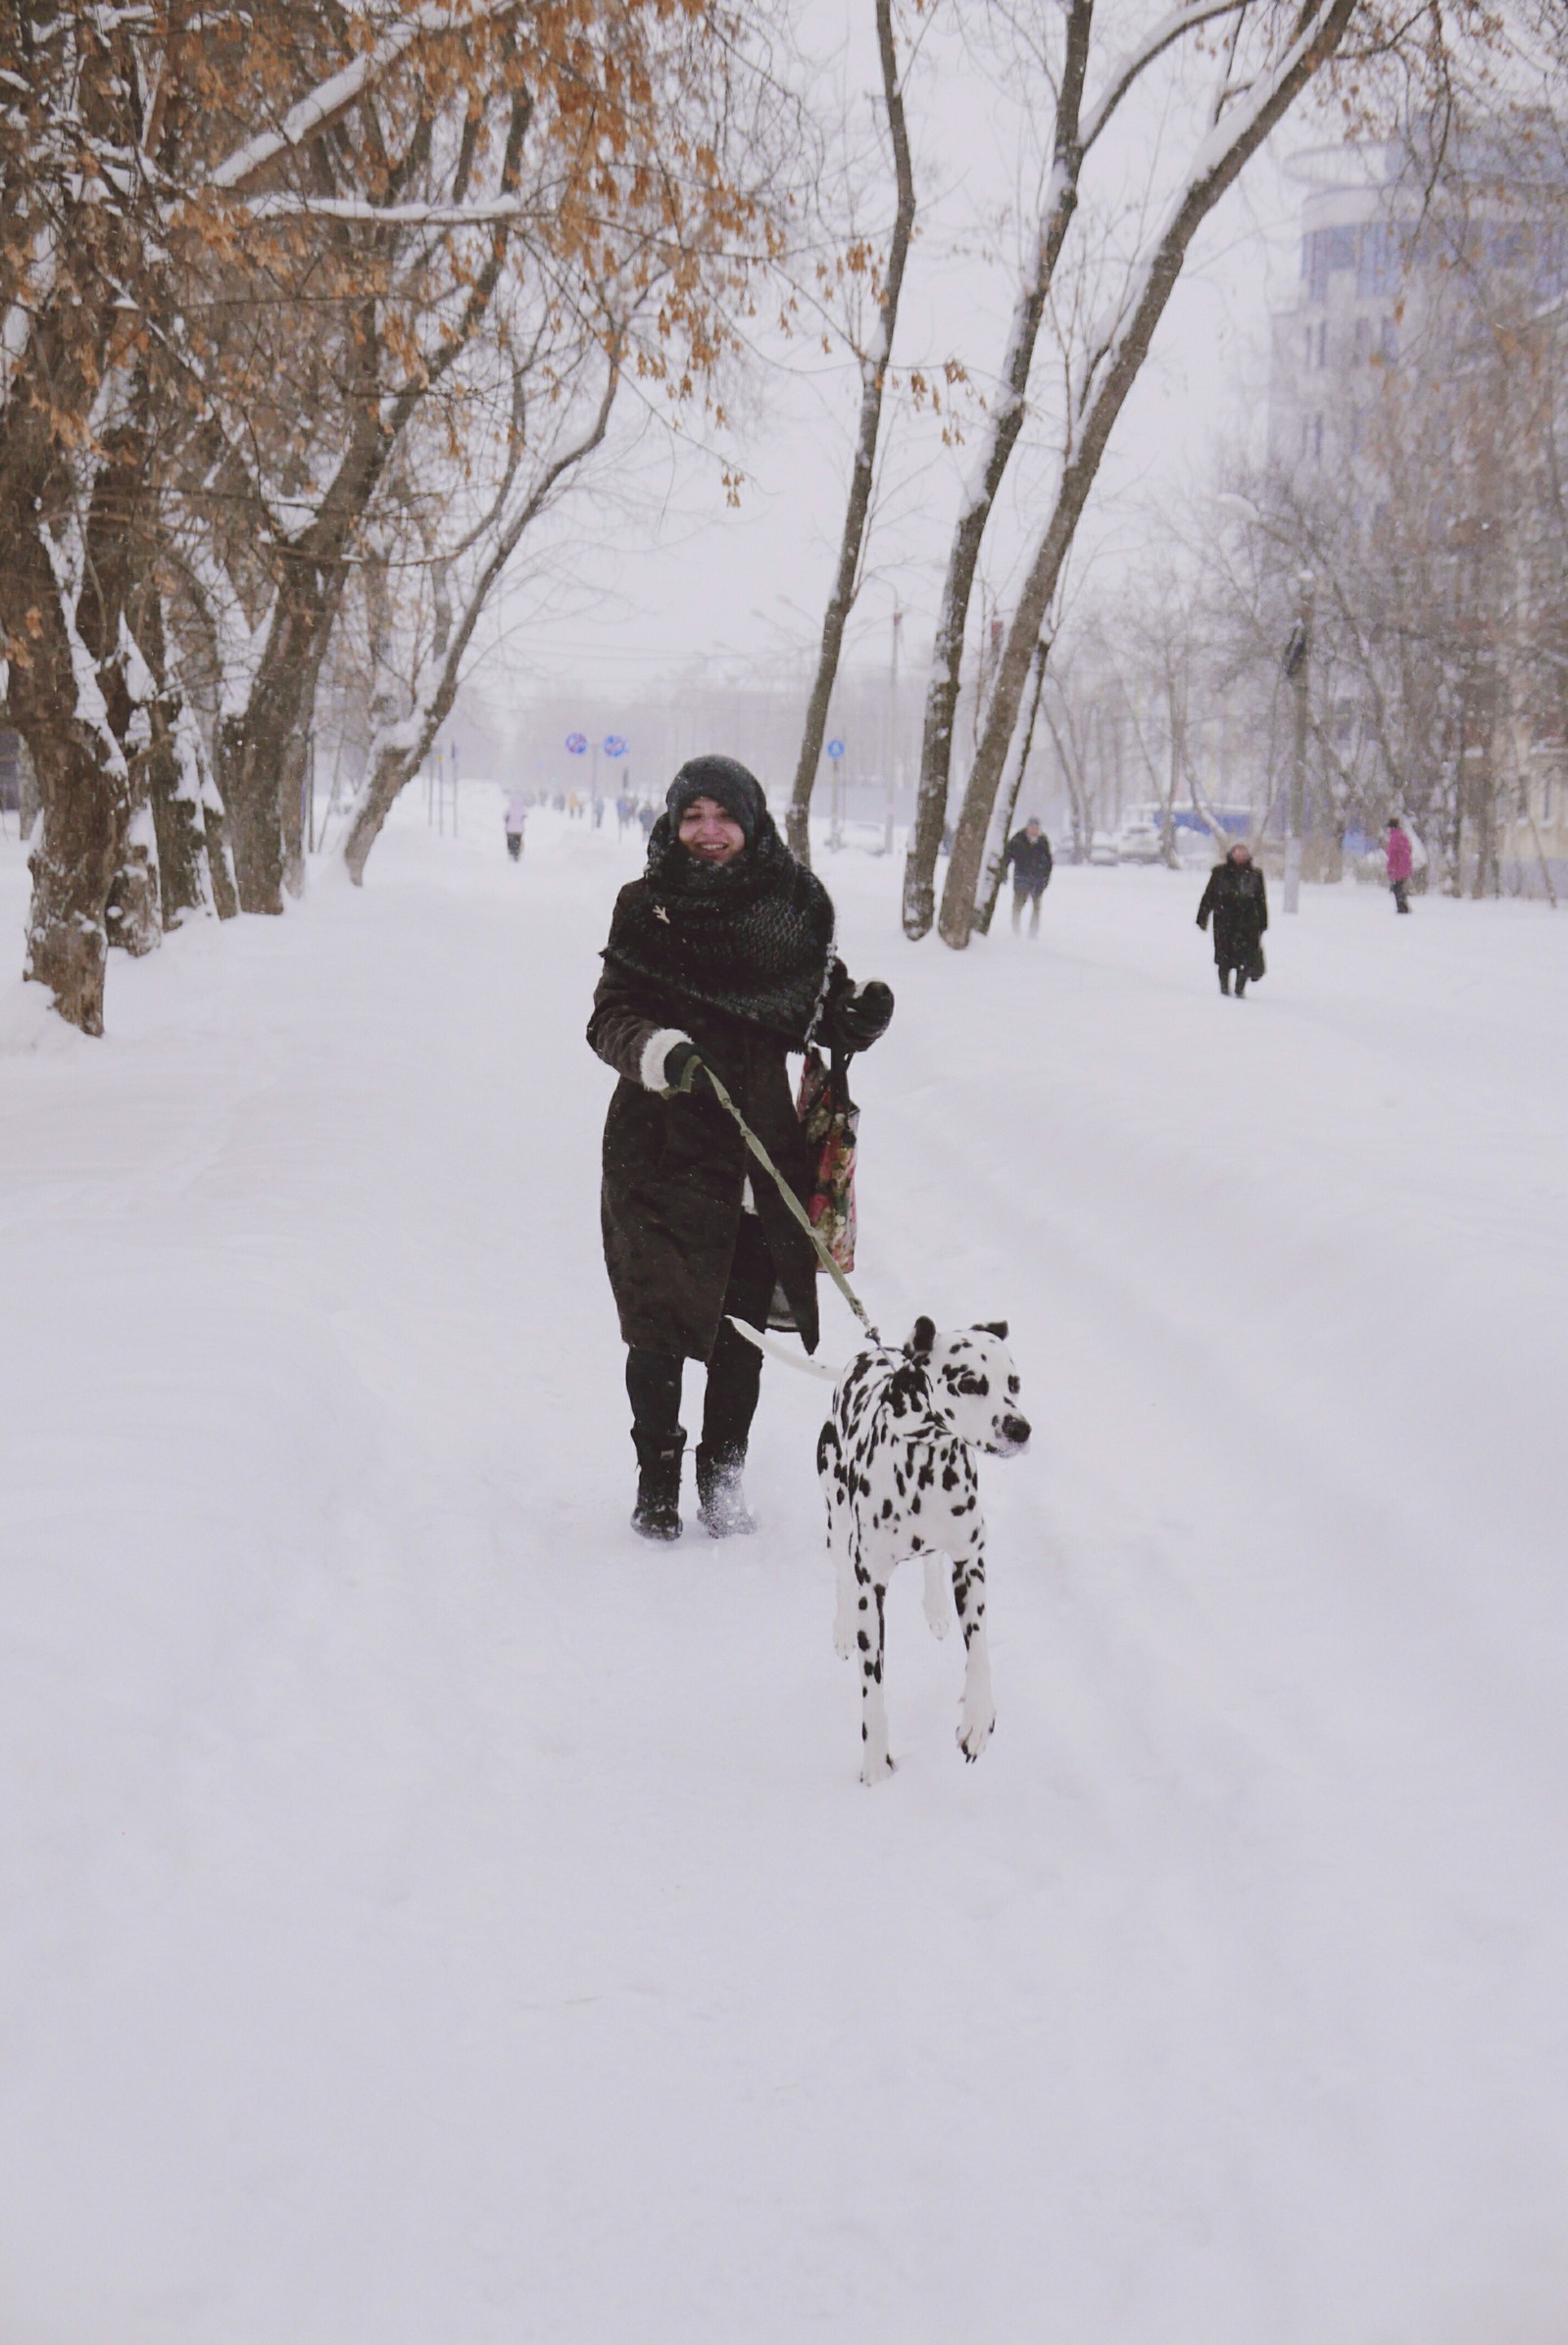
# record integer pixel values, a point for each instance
(334, 97)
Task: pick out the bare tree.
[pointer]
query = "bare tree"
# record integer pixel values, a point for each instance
(874, 362)
(1254, 93)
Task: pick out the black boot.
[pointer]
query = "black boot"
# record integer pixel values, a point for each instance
(656, 1513)
(721, 1507)
(1224, 981)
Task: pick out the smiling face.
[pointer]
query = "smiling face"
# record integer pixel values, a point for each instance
(710, 832)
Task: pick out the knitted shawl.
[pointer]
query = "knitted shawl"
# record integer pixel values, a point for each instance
(753, 937)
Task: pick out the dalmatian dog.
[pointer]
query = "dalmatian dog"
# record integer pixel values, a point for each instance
(897, 1460)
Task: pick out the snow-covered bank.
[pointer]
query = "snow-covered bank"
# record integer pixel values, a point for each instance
(434, 1916)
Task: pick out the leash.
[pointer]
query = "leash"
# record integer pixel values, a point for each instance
(806, 1366)
(792, 1203)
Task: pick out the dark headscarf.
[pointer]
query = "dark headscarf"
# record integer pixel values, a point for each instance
(753, 937)
(727, 783)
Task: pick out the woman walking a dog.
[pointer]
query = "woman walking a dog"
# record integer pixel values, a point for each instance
(722, 956)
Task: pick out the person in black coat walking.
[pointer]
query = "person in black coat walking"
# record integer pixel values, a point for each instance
(1028, 858)
(721, 956)
(1237, 900)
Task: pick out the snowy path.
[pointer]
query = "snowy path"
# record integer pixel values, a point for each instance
(430, 1916)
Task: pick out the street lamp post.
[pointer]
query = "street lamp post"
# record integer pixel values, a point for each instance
(1296, 664)
(893, 728)
(1297, 667)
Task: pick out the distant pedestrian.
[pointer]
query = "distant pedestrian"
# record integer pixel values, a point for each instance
(516, 816)
(1239, 902)
(1400, 857)
(1028, 857)
(599, 812)
(647, 816)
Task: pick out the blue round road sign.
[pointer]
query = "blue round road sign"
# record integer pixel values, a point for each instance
(577, 743)
(615, 744)
(835, 749)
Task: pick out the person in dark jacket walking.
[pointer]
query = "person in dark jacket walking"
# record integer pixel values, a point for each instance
(721, 956)
(1237, 900)
(1028, 858)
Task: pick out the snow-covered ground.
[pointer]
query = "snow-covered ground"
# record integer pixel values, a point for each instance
(430, 1915)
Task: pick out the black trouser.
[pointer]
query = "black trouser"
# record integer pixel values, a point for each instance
(1242, 975)
(1031, 895)
(734, 1366)
(514, 843)
(1400, 887)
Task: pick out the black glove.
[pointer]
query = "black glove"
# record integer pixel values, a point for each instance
(684, 1069)
(863, 1015)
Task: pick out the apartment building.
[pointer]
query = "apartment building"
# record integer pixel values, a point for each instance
(1424, 295)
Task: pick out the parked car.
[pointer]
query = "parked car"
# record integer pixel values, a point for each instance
(1197, 849)
(1103, 849)
(1138, 841)
(870, 838)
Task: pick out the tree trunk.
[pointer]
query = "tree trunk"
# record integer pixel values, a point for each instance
(249, 759)
(947, 659)
(1107, 376)
(82, 790)
(115, 560)
(985, 912)
(296, 762)
(29, 803)
(131, 915)
(873, 376)
(392, 764)
(256, 749)
(219, 860)
(175, 793)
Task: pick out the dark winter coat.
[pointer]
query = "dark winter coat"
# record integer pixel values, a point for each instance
(1030, 863)
(675, 1168)
(1238, 899)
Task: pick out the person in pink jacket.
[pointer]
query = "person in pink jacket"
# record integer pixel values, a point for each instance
(1402, 863)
